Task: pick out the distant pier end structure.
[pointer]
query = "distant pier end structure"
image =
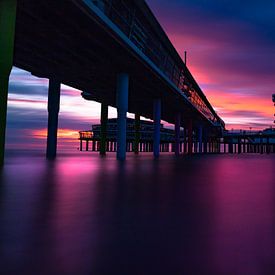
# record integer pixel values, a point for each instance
(117, 53)
(92, 138)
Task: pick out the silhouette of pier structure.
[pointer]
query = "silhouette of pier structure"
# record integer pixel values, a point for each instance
(146, 140)
(117, 53)
(249, 142)
(92, 138)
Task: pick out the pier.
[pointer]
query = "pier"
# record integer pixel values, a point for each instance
(116, 53)
(157, 185)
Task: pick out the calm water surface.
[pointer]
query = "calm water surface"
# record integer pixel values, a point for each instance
(83, 214)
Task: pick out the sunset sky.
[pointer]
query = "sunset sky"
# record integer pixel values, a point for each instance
(231, 54)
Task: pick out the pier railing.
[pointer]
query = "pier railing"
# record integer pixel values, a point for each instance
(133, 22)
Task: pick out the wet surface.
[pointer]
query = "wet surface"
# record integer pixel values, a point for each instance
(83, 214)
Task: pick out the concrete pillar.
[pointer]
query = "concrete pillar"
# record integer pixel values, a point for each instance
(87, 145)
(177, 134)
(53, 111)
(190, 136)
(157, 118)
(200, 130)
(261, 146)
(93, 147)
(185, 140)
(103, 128)
(195, 145)
(230, 145)
(205, 141)
(122, 108)
(239, 146)
(7, 32)
(137, 134)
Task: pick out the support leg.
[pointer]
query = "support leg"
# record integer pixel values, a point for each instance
(53, 110)
(93, 146)
(185, 140)
(137, 133)
(239, 146)
(122, 108)
(200, 138)
(7, 32)
(157, 118)
(103, 128)
(177, 134)
(87, 145)
(190, 136)
(205, 141)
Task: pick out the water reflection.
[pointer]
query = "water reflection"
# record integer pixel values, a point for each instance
(83, 214)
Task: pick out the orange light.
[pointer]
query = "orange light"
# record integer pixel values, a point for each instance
(66, 134)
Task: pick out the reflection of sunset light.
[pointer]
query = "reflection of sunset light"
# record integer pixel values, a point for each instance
(66, 134)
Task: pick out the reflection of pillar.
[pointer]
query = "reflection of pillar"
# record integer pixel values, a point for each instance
(190, 136)
(157, 117)
(7, 30)
(137, 133)
(53, 110)
(103, 128)
(177, 134)
(122, 108)
(200, 138)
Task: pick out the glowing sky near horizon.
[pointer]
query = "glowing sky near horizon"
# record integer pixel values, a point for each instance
(231, 54)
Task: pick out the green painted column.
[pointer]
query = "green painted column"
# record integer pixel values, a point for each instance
(103, 128)
(137, 134)
(7, 33)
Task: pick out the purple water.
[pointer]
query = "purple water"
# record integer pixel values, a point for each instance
(82, 214)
